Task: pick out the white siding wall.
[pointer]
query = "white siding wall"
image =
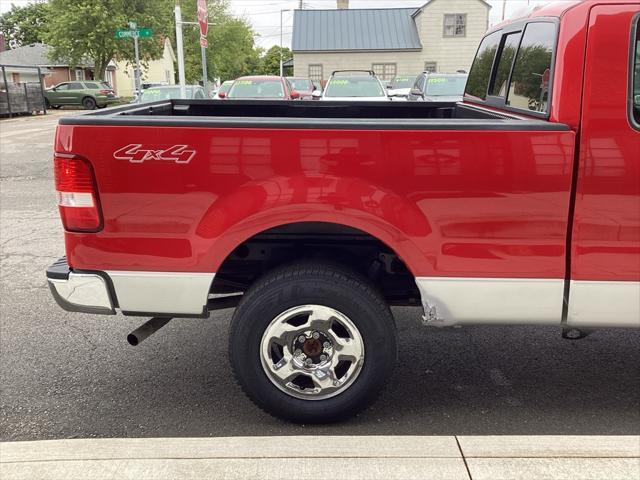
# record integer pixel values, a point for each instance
(407, 63)
(155, 71)
(451, 53)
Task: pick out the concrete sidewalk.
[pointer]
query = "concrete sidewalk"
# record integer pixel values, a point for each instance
(335, 458)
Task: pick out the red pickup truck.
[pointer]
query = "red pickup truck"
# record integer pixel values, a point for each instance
(519, 205)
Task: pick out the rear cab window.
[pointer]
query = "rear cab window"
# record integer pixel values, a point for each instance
(513, 68)
(634, 80)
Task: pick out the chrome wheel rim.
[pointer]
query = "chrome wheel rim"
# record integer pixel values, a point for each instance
(312, 352)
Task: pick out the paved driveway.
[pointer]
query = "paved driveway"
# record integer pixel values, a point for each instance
(68, 375)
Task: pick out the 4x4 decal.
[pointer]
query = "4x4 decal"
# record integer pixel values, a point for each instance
(138, 153)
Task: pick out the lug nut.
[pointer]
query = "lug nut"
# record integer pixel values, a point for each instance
(308, 361)
(297, 352)
(302, 338)
(316, 335)
(326, 345)
(323, 358)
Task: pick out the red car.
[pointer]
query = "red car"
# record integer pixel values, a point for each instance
(261, 87)
(519, 205)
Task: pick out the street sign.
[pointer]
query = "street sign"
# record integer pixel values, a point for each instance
(140, 33)
(203, 17)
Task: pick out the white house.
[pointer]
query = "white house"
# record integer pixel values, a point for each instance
(441, 36)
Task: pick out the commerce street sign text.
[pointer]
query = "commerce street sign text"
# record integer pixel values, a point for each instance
(140, 33)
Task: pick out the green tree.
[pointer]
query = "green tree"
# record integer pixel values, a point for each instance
(24, 25)
(85, 29)
(231, 52)
(270, 62)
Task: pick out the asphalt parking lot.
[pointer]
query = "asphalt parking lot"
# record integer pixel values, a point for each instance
(70, 375)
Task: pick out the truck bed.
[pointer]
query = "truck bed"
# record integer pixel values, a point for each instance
(311, 115)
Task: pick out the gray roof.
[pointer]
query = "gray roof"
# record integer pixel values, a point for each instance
(355, 29)
(30, 55)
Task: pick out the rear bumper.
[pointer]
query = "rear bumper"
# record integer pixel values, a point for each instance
(87, 292)
(174, 294)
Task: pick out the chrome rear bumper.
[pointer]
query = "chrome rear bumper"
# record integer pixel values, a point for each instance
(142, 293)
(80, 292)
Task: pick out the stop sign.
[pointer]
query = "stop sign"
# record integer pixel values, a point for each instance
(203, 17)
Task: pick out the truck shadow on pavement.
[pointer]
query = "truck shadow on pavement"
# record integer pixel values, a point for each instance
(462, 381)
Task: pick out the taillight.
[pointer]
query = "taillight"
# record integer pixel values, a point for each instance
(106, 92)
(77, 194)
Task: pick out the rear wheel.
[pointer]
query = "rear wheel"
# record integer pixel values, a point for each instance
(89, 103)
(312, 343)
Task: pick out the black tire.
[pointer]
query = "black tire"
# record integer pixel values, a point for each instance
(313, 283)
(89, 103)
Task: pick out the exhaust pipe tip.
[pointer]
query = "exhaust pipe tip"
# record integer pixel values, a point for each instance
(147, 329)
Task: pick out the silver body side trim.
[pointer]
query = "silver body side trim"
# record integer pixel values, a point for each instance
(604, 304)
(82, 292)
(161, 292)
(515, 301)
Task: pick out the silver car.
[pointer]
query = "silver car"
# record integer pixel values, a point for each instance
(438, 87)
(354, 85)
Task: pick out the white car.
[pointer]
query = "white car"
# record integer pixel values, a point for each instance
(224, 89)
(354, 85)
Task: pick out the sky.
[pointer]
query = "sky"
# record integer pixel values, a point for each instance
(264, 15)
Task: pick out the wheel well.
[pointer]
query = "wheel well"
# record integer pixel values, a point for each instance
(317, 240)
(88, 96)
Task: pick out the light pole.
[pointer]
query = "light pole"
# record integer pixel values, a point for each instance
(281, 62)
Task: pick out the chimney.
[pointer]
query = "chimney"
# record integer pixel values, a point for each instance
(343, 4)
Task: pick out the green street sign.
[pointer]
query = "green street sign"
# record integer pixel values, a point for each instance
(140, 33)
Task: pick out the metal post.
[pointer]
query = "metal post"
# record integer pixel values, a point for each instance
(504, 8)
(281, 65)
(6, 86)
(203, 52)
(179, 46)
(137, 74)
(44, 102)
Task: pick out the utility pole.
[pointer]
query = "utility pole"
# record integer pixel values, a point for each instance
(180, 48)
(281, 41)
(504, 8)
(301, 5)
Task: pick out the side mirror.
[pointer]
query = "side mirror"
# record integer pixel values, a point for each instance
(222, 95)
(416, 92)
(316, 94)
(294, 95)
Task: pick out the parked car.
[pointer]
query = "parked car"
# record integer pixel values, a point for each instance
(153, 94)
(400, 86)
(90, 94)
(354, 85)
(304, 86)
(262, 87)
(517, 206)
(223, 90)
(438, 87)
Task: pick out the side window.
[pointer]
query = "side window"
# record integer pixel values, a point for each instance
(508, 49)
(92, 85)
(529, 87)
(62, 87)
(635, 73)
(480, 73)
(75, 86)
